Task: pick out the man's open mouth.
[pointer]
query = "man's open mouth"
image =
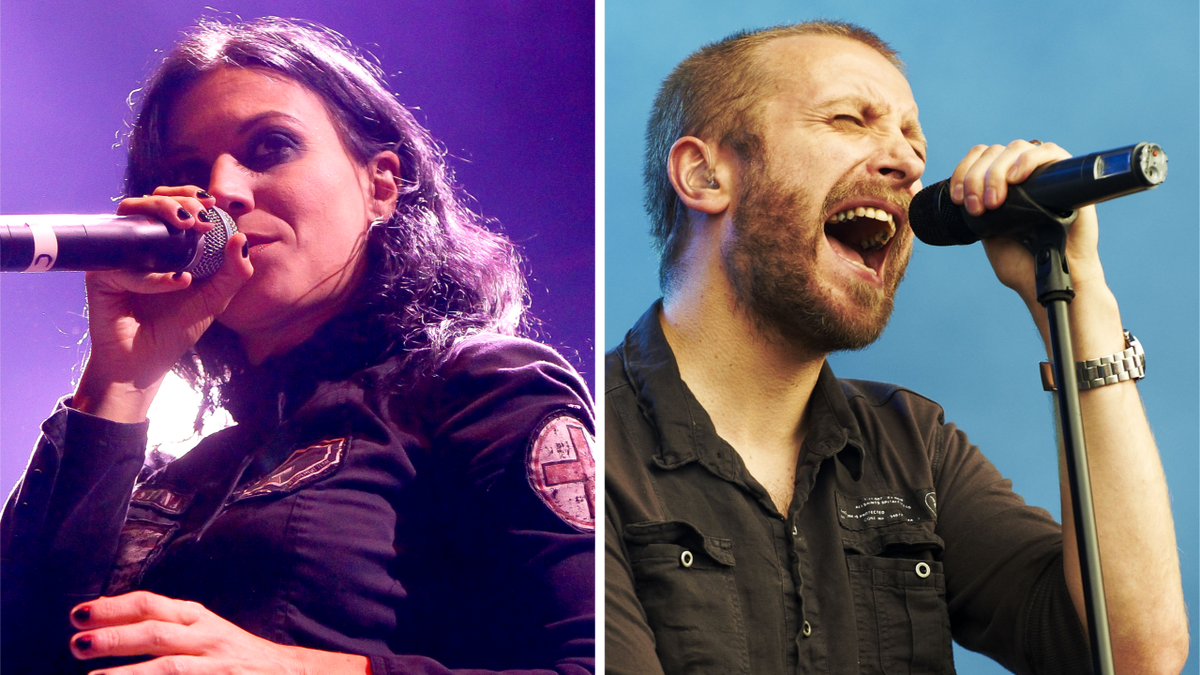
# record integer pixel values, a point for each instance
(863, 228)
(861, 234)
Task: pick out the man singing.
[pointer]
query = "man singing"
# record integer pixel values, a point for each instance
(764, 516)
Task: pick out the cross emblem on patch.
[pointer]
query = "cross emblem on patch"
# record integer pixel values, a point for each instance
(562, 470)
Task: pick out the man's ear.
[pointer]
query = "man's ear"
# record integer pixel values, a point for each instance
(384, 175)
(701, 179)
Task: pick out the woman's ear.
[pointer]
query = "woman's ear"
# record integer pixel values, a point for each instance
(384, 176)
(700, 179)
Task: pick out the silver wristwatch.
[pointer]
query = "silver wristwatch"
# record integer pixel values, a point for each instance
(1127, 365)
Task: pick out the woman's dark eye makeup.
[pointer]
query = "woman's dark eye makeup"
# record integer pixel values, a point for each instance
(269, 147)
(265, 149)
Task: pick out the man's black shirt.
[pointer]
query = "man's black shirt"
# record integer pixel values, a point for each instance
(899, 534)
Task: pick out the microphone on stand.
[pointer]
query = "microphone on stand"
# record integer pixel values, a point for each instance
(74, 243)
(1060, 187)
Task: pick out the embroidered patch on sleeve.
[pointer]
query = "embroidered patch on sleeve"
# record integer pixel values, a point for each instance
(562, 470)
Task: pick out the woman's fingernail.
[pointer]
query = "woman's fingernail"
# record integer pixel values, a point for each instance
(183, 214)
(203, 194)
(83, 643)
(177, 275)
(82, 614)
(989, 198)
(956, 192)
(973, 206)
(246, 250)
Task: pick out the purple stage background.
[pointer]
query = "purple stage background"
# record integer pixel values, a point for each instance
(507, 86)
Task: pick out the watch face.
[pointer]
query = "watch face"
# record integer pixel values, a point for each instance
(1139, 354)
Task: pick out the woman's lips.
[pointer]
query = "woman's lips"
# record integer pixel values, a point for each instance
(258, 242)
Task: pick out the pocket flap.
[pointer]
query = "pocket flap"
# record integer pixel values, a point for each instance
(681, 534)
(906, 540)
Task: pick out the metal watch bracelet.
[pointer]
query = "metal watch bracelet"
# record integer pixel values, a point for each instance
(1127, 365)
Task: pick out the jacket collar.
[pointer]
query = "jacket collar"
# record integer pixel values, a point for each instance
(269, 393)
(686, 432)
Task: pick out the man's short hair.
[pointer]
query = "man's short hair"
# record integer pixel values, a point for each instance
(713, 94)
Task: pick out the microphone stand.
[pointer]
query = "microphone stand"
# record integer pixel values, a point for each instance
(1045, 235)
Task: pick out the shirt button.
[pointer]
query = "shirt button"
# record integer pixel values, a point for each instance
(686, 558)
(922, 569)
(807, 630)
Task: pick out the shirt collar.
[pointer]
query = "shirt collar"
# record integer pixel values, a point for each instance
(686, 432)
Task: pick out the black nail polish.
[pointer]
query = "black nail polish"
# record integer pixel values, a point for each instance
(203, 194)
(183, 214)
(83, 643)
(177, 275)
(246, 250)
(82, 614)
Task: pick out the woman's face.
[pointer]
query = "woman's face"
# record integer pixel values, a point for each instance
(266, 148)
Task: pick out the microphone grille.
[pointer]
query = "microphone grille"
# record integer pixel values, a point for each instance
(938, 221)
(212, 244)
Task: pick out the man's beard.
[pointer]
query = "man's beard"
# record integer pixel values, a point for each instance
(772, 258)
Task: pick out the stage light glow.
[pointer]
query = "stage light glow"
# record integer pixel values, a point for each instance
(173, 415)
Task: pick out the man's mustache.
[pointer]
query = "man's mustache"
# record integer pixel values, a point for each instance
(849, 189)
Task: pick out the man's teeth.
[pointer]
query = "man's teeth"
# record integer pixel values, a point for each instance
(879, 238)
(862, 212)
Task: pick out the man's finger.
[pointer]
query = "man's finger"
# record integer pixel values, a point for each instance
(997, 178)
(1028, 157)
(974, 178)
(960, 172)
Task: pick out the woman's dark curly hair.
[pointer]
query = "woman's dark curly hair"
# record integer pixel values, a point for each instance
(434, 273)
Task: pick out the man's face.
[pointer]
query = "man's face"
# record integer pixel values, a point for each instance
(840, 142)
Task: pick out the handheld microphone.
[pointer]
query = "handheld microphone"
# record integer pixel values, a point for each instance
(72, 243)
(1061, 187)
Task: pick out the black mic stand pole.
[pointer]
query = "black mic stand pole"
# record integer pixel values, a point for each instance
(1046, 239)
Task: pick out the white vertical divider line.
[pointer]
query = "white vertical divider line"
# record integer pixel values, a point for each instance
(598, 342)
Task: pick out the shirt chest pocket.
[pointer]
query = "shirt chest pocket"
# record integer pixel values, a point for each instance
(685, 581)
(899, 592)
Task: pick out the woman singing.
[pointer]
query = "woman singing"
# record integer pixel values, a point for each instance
(409, 485)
